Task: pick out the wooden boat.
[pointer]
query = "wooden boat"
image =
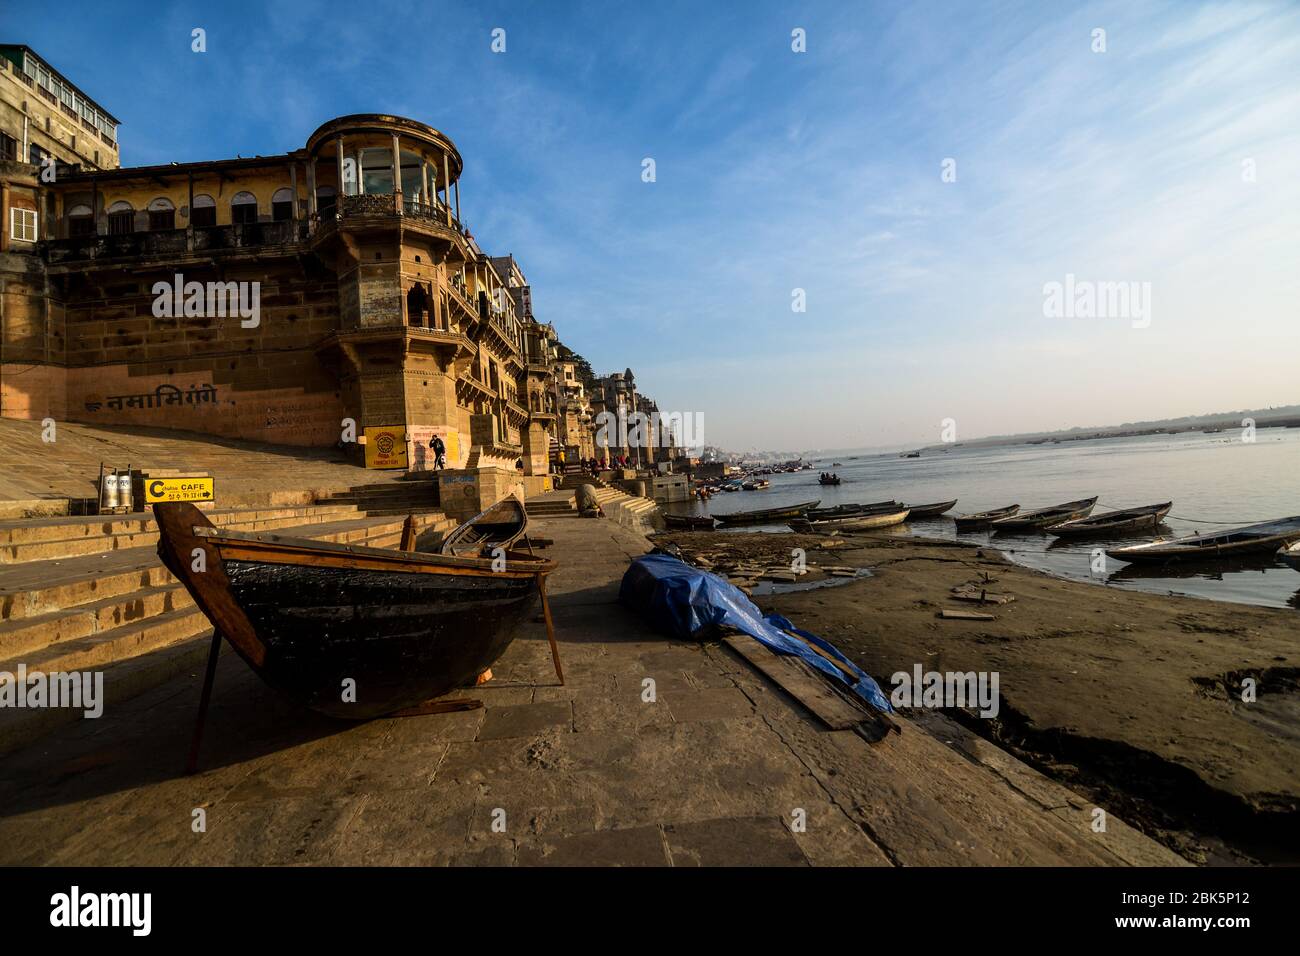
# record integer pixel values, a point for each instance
(499, 526)
(828, 481)
(1112, 522)
(310, 616)
(767, 515)
(845, 511)
(859, 522)
(1266, 536)
(982, 519)
(931, 510)
(1041, 517)
(689, 522)
(1290, 555)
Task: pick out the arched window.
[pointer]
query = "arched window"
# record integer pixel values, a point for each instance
(326, 199)
(417, 304)
(121, 218)
(282, 205)
(162, 214)
(81, 221)
(203, 211)
(243, 208)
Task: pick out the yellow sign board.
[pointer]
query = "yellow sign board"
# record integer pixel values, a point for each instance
(192, 488)
(386, 446)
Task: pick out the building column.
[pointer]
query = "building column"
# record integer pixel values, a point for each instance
(458, 200)
(446, 184)
(311, 188)
(339, 194)
(397, 175)
(189, 219)
(293, 187)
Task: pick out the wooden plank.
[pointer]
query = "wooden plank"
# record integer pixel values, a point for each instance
(836, 712)
(956, 614)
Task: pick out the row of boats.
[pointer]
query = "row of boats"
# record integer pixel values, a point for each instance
(1070, 520)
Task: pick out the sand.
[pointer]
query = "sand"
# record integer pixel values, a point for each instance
(1135, 697)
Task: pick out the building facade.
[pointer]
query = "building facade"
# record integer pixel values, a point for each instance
(300, 298)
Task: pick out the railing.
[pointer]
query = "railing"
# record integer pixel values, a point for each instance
(173, 242)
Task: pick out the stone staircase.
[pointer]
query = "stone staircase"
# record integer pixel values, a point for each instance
(417, 496)
(89, 594)
(616, 504)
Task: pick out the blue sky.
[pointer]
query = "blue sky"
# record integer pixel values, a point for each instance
(819, 171)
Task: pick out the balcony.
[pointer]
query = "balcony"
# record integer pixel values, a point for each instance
(171, 243)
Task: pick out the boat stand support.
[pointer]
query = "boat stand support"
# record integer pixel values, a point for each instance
(550, 628)
(438, 707)
(209, 676)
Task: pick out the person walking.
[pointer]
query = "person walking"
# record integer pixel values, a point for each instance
(439, 453)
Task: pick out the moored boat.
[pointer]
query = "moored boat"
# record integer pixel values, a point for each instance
(349, 631)
(858, 522)
(1038, 518)
(1290, 555)
(982, 519)
(1123, 521)
(931, 510)
(689, 522)
(848, 510)
(766, 515)
(1266, 536)
(498, 526)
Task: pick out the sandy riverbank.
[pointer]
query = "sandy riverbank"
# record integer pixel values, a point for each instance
(1134, 697)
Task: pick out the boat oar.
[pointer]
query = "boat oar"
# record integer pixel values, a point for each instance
(550, 630)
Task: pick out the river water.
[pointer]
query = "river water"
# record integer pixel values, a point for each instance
(1215, 481)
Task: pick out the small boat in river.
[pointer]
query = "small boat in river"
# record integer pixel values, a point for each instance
(1112, 523)
(1039, 518)
(1290, 555)
(931, 510)
(828, 480)
(849, 510)
(982, 519)
(499, 526)
(1267, 536)
(347, 630)
(858, 522)
(767, 515)
(689, 522)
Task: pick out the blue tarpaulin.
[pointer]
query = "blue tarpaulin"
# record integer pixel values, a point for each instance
(687, 601)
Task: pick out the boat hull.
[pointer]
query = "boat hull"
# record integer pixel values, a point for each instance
(1265, 538)
(1098, 527)
(983, 519)
(1043, 517)
(1290, 556)
(857, 523)
(767, 515)
(401, 638)
(349, 631)
(931, 510)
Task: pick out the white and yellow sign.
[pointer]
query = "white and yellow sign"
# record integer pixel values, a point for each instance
(386, 446)
(183, 488)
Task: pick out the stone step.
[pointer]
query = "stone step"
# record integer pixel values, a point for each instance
(25, 634)
(123, 679)
(27, 530)
(53, 549)
(96, 650)
(28, 590)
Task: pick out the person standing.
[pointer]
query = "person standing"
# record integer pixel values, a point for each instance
(439, 453)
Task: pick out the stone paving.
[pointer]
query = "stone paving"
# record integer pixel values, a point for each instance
(721, 768)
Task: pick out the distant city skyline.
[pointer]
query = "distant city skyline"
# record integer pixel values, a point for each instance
(994, 215)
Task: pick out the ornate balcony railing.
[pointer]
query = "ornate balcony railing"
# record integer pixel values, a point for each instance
(174, 242)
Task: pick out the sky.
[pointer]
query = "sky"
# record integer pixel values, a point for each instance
(919, 175)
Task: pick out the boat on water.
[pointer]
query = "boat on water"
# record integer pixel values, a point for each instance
(857, 522)
(767, 515)
(910, 454)
(758, 484)
(1268, 536)
(983, 519)
(931, 510)
(308, 616)
(499, 526)
(828, 480)
(1289, 555)
(689, 522)
(1038, 518)
(848, 510)
(1123, 521)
